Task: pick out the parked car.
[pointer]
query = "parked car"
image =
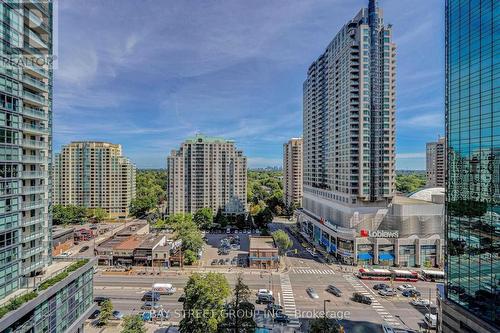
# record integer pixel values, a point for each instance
(387, 292)
(430, 320)
(221, 261)
(360, 298)
(380, 286)
(100, 299)
(411, 293)
(406, 287)
(281, 318)
(214, 262)
(421, 302)
(261, 292)
(151, 296)
(83, 249)
(148, 305)
(117, 315)
(234, 261)
(235, 247)
(312, 293)
(95, 314)
(334, 290)
(265, 299)
(227, 261)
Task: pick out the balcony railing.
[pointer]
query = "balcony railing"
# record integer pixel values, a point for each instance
(35, 128)
(34, 189)
(31, 251)
(37, 22)
(35, 113)
(34, 37)
(33, 174)
(32, 267)
(33, 204)
(38, 70)
(34, 144)
(30, 220)
(34, 97)
(31, 236)
(34, 159)
(35, 83)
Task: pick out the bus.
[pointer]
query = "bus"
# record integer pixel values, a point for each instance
(432, 276)
(387, 274)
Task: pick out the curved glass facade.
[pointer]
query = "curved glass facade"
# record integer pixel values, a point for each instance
(473, 137)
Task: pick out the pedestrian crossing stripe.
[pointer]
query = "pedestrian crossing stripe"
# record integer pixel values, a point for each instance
(313, 271)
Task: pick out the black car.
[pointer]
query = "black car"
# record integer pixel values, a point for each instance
(182, 299)
(281, 318)
(411, 293)
(265, 299)
(100, 299)
(274, 308)
(360, 298)
(95, 314)
(214, 262)
(334, 290)
(380, 286)
(83, 249)
(151, 296)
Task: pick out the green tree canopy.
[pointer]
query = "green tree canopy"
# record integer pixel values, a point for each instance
(97, 214)
(187, 231)
(106, 312)
(71, 214)
(282, 240)
(150, 191)
(204, 304)
(204, 217)
(133, 324)
(410, 183)
(240, 316)
(322, 325)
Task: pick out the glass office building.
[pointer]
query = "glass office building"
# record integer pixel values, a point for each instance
(472, 299)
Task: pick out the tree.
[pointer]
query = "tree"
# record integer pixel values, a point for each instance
(203, 217)
(410, 183)
(70, 214)
(205, 296)
(150, 191)
(187, 231)
(106, 312)
(263, 217)
(97, 214)
(282, 240)
(324, 325)
(241, 310)
(133, 324)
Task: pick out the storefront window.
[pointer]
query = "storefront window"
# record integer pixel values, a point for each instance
(428, 255)
(407, 255)
(365, 254)
(386, 255)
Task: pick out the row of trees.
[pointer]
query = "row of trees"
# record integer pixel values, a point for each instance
(408, 183)
(130, 324)
(150, 191)
(206, 308)
(64, 215)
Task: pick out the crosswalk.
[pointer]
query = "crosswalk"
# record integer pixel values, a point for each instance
(379, 308)
(288, 300)
(297, 270)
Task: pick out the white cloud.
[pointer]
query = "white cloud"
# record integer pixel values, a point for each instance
(410, 155)
(434, 120)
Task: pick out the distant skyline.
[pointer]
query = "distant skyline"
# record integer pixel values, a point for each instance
(148, 74)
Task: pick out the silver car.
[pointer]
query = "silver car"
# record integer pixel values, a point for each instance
(312, 293)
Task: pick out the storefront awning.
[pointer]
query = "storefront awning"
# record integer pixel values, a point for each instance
(385, 256)
(364, 256)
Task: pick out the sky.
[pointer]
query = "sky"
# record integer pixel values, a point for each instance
(148, 74)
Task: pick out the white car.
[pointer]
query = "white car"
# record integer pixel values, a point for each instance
(421, 302)
(264, 292)
(406, 287)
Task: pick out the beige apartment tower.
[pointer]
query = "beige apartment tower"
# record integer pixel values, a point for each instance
(292, 172)
(207, 172)
(436, 163)
(94, 174)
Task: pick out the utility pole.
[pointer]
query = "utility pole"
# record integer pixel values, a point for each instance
(324, 314)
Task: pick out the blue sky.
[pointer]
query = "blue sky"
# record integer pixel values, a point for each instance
(149, 73)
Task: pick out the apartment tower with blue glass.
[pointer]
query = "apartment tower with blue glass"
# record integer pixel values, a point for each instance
(471, 301)
(26, 264)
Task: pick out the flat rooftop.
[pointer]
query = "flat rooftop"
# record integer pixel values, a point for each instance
(150, 242)
(262, 242)
(129, 244)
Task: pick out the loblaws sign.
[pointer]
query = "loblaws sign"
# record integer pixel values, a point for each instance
(380, 233)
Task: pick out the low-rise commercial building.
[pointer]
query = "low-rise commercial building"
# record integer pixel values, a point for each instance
(263, 253)
(62, 240)
(408, 233)
(143, 254)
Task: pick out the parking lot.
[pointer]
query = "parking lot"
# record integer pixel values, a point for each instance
(236, 255)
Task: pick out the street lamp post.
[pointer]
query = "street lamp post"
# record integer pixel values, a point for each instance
(324, 314)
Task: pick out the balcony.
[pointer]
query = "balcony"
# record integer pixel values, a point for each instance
(33, 174)
(34, 144)
(36, 23)
(34, 159)
(31, 220)
(40, 5)
(36, 71)
(36, 41)
(34, 113)
(33, 204)
(31, 267)
(34, 83)
(31, 251)
(34, 98)
(37, 129)
(31, 236)
(34, 189)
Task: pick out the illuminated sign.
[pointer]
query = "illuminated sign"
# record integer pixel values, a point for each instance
(379, 233)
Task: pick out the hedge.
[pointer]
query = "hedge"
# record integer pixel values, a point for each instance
(15, 303)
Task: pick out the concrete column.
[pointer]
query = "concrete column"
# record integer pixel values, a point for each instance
(396, 252)
(417, 253)
(375, 251)
(439, 253)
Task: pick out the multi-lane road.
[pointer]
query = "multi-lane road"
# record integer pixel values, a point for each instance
(289, 288)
